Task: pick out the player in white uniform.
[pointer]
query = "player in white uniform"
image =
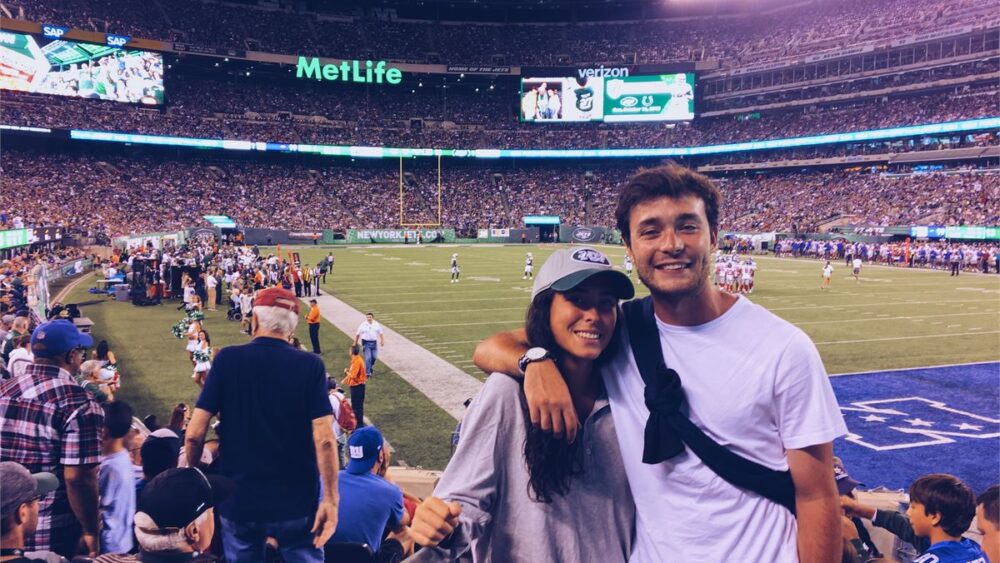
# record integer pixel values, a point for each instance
(720, 271)
(628, 266)
(529, 267)
(857, 269)
(454, 268)
(827, 275)
(746, 277)
(731, 277)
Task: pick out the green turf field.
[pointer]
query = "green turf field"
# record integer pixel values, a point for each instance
(892, 318)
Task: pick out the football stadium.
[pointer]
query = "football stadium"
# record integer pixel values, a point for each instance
(500, 280)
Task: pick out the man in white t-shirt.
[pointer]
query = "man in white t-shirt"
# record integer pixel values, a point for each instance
(753, 382)
(370, 336)
(857, 269)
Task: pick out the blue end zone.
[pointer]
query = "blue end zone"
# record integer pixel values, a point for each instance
(904, 424)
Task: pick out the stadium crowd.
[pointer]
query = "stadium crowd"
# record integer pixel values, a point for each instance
(248, 110)
(123, 195)
(746, 39)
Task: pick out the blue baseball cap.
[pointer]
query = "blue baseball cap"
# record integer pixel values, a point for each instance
(55, 338)
(363, 447)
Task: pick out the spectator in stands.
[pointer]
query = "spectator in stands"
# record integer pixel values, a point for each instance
(941, 509)
(20, 356)
(176, 518)
(369, 504)
(988, 520)
(117, 480)
(19, 512)
(50, 423)
(513, 491)
(90, 379)
(104, 354)
(159, 453)
(20, 327)
(277, 437)
(179, 419)
(355, 377)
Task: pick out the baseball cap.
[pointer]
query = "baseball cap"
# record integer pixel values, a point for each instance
(277, 297)
(176, 497)
(569, 267)
(54, 338)
(363, 446)
(845, 483)
(20, 486)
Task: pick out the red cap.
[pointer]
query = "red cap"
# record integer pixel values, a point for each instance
(277, 297)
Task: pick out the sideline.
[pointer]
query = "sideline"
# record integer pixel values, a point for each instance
(69, 287)
(444, 384)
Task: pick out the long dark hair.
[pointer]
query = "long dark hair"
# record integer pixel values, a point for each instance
(552, 462)
(102, 350)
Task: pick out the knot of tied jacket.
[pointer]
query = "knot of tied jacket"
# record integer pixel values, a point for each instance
(664, 399)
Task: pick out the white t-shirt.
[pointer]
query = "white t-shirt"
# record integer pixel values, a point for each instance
(857, 263)
(755, 384)
(335, 399)
(369, 331)
(827, 271)
(188, 293)
(211, 282)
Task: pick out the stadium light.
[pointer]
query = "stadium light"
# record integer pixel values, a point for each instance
(987, 123)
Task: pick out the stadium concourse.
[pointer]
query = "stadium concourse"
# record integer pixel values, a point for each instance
(247, 239)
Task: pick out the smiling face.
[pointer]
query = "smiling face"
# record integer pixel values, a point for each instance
(671, 241)
(582, 320)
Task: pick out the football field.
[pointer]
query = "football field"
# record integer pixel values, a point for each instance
(893, 318)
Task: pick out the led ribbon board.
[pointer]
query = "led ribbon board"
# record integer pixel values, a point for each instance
(389, 152)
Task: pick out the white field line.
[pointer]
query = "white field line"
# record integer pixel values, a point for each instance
(915, 368)
(831, 342)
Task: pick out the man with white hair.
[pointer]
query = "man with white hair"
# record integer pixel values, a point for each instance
(276, 438)
(176, 518)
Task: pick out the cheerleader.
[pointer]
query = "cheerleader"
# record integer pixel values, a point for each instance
(203, 357)
(194, 328)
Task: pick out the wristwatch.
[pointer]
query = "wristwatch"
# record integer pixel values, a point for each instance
(535, 354)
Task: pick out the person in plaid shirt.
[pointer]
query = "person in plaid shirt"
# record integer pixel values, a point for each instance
(49, 423)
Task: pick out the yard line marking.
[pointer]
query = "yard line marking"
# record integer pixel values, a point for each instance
(914, 368)
(830, 342)
(497, 322)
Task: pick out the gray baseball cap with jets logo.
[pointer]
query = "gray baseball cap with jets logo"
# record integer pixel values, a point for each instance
(570, 267)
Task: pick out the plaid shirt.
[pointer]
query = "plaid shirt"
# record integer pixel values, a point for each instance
(47, 420)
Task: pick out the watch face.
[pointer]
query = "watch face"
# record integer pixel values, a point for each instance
(536, 353)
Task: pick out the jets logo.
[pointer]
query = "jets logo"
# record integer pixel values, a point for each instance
(591, 256)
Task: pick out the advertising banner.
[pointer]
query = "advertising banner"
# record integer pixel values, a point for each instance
(369, 236)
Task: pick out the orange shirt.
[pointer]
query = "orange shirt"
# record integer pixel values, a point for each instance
(313, 316)
(356, 373)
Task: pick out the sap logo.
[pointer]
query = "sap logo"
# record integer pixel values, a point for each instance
(117, 41)
(629, 101)
(583, 234)
(602, 72)
(590, 256)
(53, 31)
(912, 422)
(8, 38)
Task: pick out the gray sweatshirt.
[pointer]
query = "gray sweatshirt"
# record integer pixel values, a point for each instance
(488, 476)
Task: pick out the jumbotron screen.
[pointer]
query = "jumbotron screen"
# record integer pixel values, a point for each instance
(80, 70)
(655, 97)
